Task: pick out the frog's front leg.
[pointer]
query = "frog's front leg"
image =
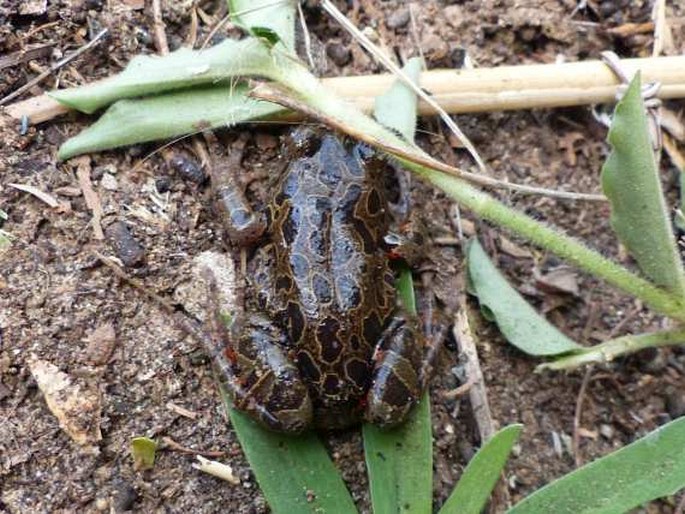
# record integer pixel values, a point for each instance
(262, 380)
(399, 374)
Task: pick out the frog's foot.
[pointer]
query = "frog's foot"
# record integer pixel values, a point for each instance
(398, 379)
(262, 381)
(410, 242)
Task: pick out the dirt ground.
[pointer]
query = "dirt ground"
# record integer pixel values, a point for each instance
(59, 305)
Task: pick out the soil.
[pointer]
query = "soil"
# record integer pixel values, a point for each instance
(60, 305)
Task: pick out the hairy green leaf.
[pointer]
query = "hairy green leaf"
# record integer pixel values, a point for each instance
(630, 180)
(482, 473)
(649, 468)
(519, 322)
(182, 69)
(166, 116)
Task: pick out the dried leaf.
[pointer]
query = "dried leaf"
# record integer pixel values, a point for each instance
(76, 407)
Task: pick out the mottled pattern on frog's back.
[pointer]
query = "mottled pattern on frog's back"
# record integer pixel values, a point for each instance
(333, 287)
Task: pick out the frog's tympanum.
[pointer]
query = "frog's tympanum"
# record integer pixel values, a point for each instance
(322, 341)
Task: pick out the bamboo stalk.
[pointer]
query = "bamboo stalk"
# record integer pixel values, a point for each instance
(479, 90)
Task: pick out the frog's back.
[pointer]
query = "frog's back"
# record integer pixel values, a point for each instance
(329, 217)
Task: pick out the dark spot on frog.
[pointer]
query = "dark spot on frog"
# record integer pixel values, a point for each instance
(368, 239)
(358, 371)
(331, 384)
(396, 392)
(319, 244)
(373, 202)
(329, 339)
(354, 342)
(296, 321)
(283, 283)
(307, 367)
(292, 224)
(372, 327)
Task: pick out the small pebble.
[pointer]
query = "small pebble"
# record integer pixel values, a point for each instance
(607, 431)
(675, 404)
(338, 53)
(188, 169)
(125, 497)
(127, 248)
(398, 19)
(163, 184)
(109, 182)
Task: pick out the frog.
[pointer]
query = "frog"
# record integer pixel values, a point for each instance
(322, 341)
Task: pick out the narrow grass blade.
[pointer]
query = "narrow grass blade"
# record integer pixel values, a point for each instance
(166, 116)
(267, 19)
(184, 68)
(650, 468)
(519, 322)
(400, 464)
(482, 473)
(294, 473)
(630, 180)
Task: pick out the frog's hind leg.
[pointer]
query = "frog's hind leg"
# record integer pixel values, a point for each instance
(397, 381)
(261, 380)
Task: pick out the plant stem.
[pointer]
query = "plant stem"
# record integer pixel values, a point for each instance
(305, 86)
(610, 350)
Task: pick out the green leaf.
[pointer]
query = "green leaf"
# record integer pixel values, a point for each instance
(167, 116)
(400, 464)
(294, 472)
(649, 468)
(397, 107)
(630, 180)
(482, 473)
(519, 322)
(143, 450)
(272, 21)
(184, 68)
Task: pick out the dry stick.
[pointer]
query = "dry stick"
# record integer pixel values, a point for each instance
(24, 55)
(482, 89)
(159, 26)
(55, 67)
(577, 417)
(276, 94)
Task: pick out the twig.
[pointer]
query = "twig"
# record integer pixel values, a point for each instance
(273, 93)
(25, 55)
(478, 395)
(578, 415)
(159, 28)
(62, 62)
(474, 375)
(91, 197)
(184, 449)
(223, 471)
(397, 72)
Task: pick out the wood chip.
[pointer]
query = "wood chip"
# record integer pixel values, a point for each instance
(181, 411)
(101, 343)
(76, 407)
(559, 280)
(222, 471)
(91, 197)
(511, 248)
